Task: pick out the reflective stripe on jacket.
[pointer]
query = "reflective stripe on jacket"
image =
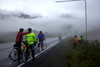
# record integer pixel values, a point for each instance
(30, 38)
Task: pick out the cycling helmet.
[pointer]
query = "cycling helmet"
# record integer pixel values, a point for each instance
(40, 32)
(29, 29)
(81, 36)
(75, 35)
(21, 29)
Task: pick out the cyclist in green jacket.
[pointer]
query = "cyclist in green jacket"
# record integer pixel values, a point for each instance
(31, 41)
(81, 39)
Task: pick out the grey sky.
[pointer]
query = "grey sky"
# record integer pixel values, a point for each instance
(52, 10)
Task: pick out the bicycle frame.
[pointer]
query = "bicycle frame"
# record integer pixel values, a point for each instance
(14, 53)
(42, 46)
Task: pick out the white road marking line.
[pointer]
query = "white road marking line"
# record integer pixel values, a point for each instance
(37, 54)
(20, 65)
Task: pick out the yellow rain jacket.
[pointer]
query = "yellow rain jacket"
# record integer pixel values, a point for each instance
(30, 38)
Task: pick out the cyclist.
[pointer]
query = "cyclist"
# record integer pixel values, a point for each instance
(59, 36)
(74, 40)
(41, 37)
(18, 41)
(81, 39)
(31, 41)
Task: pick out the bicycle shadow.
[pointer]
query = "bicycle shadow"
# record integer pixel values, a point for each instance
(15, 63)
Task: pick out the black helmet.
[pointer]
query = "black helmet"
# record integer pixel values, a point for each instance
(81, 36)
(75, 35)
(40, 32)
(29, 29)
(21, 29)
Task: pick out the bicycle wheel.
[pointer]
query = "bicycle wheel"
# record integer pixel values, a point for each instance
(23, 55)
(14, 54)
(44, 45)
(27, 55)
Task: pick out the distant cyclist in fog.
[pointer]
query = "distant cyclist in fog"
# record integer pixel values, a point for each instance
(41, 37)
(74, 40)
(59, 36)
(81, 39)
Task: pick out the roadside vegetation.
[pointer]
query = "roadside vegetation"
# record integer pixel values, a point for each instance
(2, 41)
(85, 55)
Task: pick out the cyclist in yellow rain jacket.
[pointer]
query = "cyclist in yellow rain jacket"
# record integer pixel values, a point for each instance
(59, 36)
(31, 41)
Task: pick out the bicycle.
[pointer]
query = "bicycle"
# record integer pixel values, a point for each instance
(13, 55)
(43, 47)
(27, 54)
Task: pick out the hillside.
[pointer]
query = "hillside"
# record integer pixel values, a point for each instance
(67, 16)
(10, 37)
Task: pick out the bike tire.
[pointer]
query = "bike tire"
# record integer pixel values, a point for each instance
(44, 45)
(27, 55)
(13, 54)
(23, 55)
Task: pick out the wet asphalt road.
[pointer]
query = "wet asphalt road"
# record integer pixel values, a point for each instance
(6, 48)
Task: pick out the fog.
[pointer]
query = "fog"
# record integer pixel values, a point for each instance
(51, 22)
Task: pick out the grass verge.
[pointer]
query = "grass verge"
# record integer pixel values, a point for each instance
(87, 55)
